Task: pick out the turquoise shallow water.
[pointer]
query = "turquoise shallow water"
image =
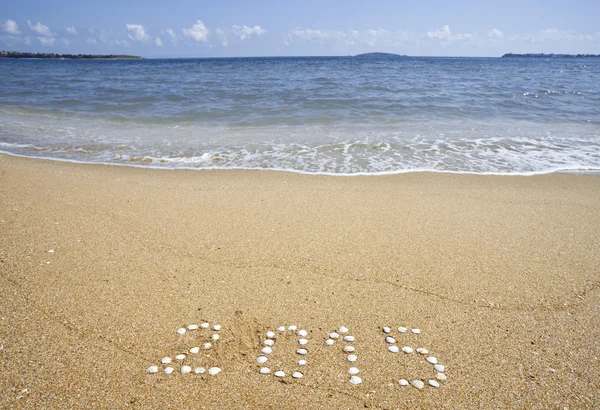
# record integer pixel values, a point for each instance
(336, 115)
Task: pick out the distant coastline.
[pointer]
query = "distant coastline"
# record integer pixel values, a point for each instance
(54, 56)
(542, 55)
(378, 54)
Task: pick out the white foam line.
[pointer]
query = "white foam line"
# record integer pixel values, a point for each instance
(581, 170)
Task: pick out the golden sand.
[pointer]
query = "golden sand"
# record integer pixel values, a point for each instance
(501, 274)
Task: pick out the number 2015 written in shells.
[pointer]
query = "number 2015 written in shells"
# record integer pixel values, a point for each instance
(209, 336)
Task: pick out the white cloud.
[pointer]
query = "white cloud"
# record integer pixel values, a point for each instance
(244, 32)
(158, 42)
(383, 38)
(445, 35)
(222, 37)
(137, 32)
(198, 32)
(40, 28)
(91, 41)
(47, 41)
(554, 35)
(71, 30)
(310, 34)
(170, 33)
(105, 36)
(372, 37)
(495, 33)
(11, 27)
(123, 43)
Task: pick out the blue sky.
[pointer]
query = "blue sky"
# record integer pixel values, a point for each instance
(201, 28)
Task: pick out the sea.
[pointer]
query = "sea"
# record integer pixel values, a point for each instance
(315, 115)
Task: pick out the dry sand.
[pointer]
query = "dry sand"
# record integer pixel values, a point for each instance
(500, 273)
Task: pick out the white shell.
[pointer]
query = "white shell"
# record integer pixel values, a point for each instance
(215, 337)
(302, 351)
(166, 360)
(348, 338)
(334, 335)
(402, 329)
(343, 329)
(432, 360)
(207, 345)
(407, 349)
(440, 368)
(194, 350)
(292, 328)
(199, 370)
(214, 370)
(303, 341)
(204, 325)
(416, 331)
(390, 339)
(297, 375)
(185, 369)
(269, 342)
(51, 251)
(217, 327)
(168, 370)
(264, 370)
(152, 370)
(433, 383)
(353, 370)
(267, 350)
(270, 334)
(421, 350)
(261, 359)
(193, 327)
(302, 333)
(349, 349)
(441, 376)
(386, 330)
(394, 349)
(279, 373)
(355, 380)
(329, 342)
(181, 330)
(403, 382)
(281, 329)
(301, 362)
(418, 384)
(352, 358)
(180, 357)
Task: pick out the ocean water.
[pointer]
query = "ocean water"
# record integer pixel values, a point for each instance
(327, 115)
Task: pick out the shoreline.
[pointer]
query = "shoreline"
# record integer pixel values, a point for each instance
(575, 170)
(101, 265)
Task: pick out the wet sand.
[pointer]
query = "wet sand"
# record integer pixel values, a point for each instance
(501, 274)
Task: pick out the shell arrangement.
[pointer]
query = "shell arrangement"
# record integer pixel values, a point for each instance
(182, 361)
(393, 348)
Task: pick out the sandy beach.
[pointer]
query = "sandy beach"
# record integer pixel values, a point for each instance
(501, 275)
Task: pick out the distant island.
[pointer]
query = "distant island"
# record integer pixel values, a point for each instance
(19, 54)
(542, 55)
(371, 55)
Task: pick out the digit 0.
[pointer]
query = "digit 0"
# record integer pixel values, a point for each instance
(267, 351)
